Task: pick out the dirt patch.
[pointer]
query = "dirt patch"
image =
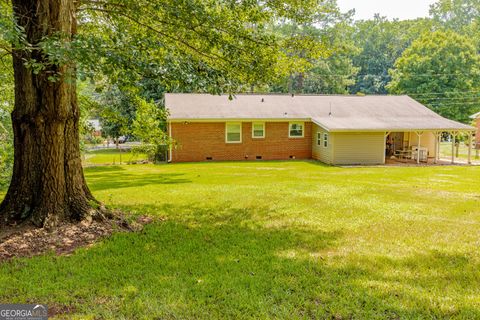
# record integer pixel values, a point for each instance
(58, 310)
(27, 240)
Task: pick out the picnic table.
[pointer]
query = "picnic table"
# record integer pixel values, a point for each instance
(403, 154)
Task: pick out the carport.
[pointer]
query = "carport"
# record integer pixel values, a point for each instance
(361, 134)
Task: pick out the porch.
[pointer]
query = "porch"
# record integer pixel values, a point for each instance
(426, 147)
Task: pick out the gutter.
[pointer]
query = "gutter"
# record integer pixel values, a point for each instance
(466, 128)
(194, 120)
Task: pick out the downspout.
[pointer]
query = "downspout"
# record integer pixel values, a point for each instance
(170, 149)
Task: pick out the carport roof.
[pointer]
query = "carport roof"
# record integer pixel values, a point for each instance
(332, 112)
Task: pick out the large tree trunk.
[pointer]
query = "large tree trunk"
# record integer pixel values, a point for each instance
(48, 185)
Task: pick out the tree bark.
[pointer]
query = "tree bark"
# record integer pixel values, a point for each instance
(48, 185)
(300, 80)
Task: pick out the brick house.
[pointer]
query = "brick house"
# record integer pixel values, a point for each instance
(332, 129)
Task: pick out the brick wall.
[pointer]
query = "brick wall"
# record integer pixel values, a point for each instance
(197, 141)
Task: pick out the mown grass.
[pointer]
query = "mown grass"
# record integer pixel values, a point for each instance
(446, 151)
(272, 240)
(110, 156)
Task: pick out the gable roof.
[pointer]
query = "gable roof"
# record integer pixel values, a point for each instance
(334, 113)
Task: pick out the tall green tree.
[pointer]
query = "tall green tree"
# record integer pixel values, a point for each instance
(117, 108)
(331, 71)
(441, 70)
(149, 126)
(381, 43)
(461, 16)
(217, 45)
(456, 15)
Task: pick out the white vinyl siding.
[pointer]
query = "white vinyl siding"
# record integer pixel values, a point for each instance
(233, 132)
(296, 129)
(358, 148)
(319, 152)
(258, 130)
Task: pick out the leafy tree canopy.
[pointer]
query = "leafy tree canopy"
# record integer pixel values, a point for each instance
(149, 126)
(381, 42)
(461, 16)
(456, 14)
(320, 74)
(441, 70)
(205, 45)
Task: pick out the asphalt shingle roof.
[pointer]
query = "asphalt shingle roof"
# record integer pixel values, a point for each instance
(333, 112)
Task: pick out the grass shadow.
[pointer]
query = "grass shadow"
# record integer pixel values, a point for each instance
(119, 177)
(104, 169)
(220, 262)
(234, 252)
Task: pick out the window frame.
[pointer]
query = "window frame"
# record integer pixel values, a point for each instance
(253, 130)
(326, 139)
(290, 129)
(319, 138)
(226, 131)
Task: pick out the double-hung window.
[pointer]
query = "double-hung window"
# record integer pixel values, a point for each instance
(322, 139)
(233, 132)
(295, 130)
(258, 130)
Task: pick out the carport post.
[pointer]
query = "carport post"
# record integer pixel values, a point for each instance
(470, 147)
(439, 144)
(435, 158)
(419, 134)
(384, 146)
(454, 135)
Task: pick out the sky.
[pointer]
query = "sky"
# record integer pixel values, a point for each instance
(402, 9)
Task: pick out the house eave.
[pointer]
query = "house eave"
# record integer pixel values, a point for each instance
(326, 128)
(405, 130)
(180, 120)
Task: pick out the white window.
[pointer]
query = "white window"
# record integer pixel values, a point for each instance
(325, 140)
(258, 130)
(319, 138)
(295, 130)
(233, 132)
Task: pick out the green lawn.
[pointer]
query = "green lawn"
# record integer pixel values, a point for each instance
(446, 151)
(272, 240)
(110, 157)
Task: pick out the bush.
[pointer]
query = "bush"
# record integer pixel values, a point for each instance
(155, 153)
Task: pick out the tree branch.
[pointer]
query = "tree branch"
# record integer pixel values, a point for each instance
(213, 56)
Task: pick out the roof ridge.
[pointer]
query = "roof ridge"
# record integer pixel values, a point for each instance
(289, 94)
